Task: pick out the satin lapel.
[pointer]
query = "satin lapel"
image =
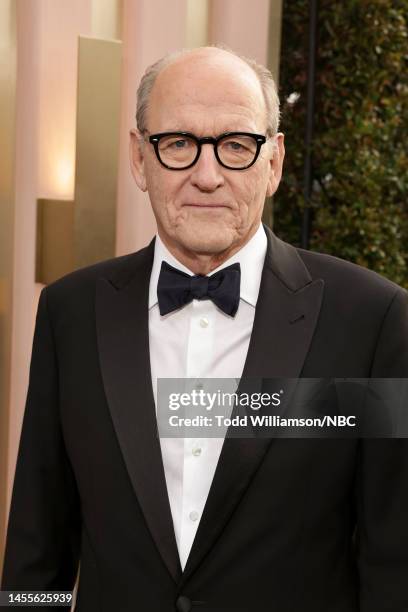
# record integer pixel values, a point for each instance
(123, 344)
(285, 318)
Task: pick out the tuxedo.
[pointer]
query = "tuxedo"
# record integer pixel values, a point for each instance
(289, 524)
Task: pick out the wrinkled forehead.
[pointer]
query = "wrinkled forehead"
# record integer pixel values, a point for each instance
(204, 89)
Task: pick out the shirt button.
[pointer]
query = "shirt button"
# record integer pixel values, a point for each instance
(204, 322)
(193, 516)
(196, 452)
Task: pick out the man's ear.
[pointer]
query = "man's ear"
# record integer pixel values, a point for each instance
(276, 163)
(137, 162)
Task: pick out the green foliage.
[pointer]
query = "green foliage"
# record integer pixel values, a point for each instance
(360, 161)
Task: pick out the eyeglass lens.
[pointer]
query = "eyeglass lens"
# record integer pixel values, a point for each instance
(234, 151)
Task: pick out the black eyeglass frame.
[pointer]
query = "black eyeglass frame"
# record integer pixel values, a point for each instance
(154, 139)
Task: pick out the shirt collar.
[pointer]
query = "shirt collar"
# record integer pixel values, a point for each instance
(250, 257)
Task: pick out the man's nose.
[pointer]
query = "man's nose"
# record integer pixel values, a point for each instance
(207, 173)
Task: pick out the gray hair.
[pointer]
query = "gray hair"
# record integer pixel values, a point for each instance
(265, 78)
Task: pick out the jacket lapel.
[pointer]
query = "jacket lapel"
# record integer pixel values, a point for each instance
(285, 318)
(123, 344)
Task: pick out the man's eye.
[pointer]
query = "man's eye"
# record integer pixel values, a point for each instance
(236, 146)
(178, 144)
(174, 144)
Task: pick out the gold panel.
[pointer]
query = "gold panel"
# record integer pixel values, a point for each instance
(98, 117)
(55, 223)
(274, 41)
(197, 23)
(8, 77)
(107, 18)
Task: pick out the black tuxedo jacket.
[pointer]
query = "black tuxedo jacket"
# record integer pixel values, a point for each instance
(315, 525)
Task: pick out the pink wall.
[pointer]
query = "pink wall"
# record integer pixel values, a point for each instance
(242, 25)
(60, 24)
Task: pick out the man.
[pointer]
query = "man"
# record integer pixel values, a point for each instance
(241, 524)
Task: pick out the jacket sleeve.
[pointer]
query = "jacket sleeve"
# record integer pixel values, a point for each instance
(43, 536)
(381, 491)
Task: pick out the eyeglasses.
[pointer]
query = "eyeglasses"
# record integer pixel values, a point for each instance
(181, 150)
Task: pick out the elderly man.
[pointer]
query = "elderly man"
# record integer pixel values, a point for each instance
(208, 524)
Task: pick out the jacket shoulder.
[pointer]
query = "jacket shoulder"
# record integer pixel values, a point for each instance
(341, 275)
(116, 269)
(75, 291)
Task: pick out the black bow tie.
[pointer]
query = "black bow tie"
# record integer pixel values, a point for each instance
(176, 288)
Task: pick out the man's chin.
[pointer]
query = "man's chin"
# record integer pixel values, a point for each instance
(206, 241)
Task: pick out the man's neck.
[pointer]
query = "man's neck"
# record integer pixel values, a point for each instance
(204, 263)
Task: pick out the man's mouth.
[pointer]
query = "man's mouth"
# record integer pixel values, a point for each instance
(207, 205)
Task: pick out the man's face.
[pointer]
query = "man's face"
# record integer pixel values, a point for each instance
(207, 209)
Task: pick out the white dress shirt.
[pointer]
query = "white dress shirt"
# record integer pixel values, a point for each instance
(199, 341)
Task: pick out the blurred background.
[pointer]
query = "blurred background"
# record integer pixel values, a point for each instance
(69, 71)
